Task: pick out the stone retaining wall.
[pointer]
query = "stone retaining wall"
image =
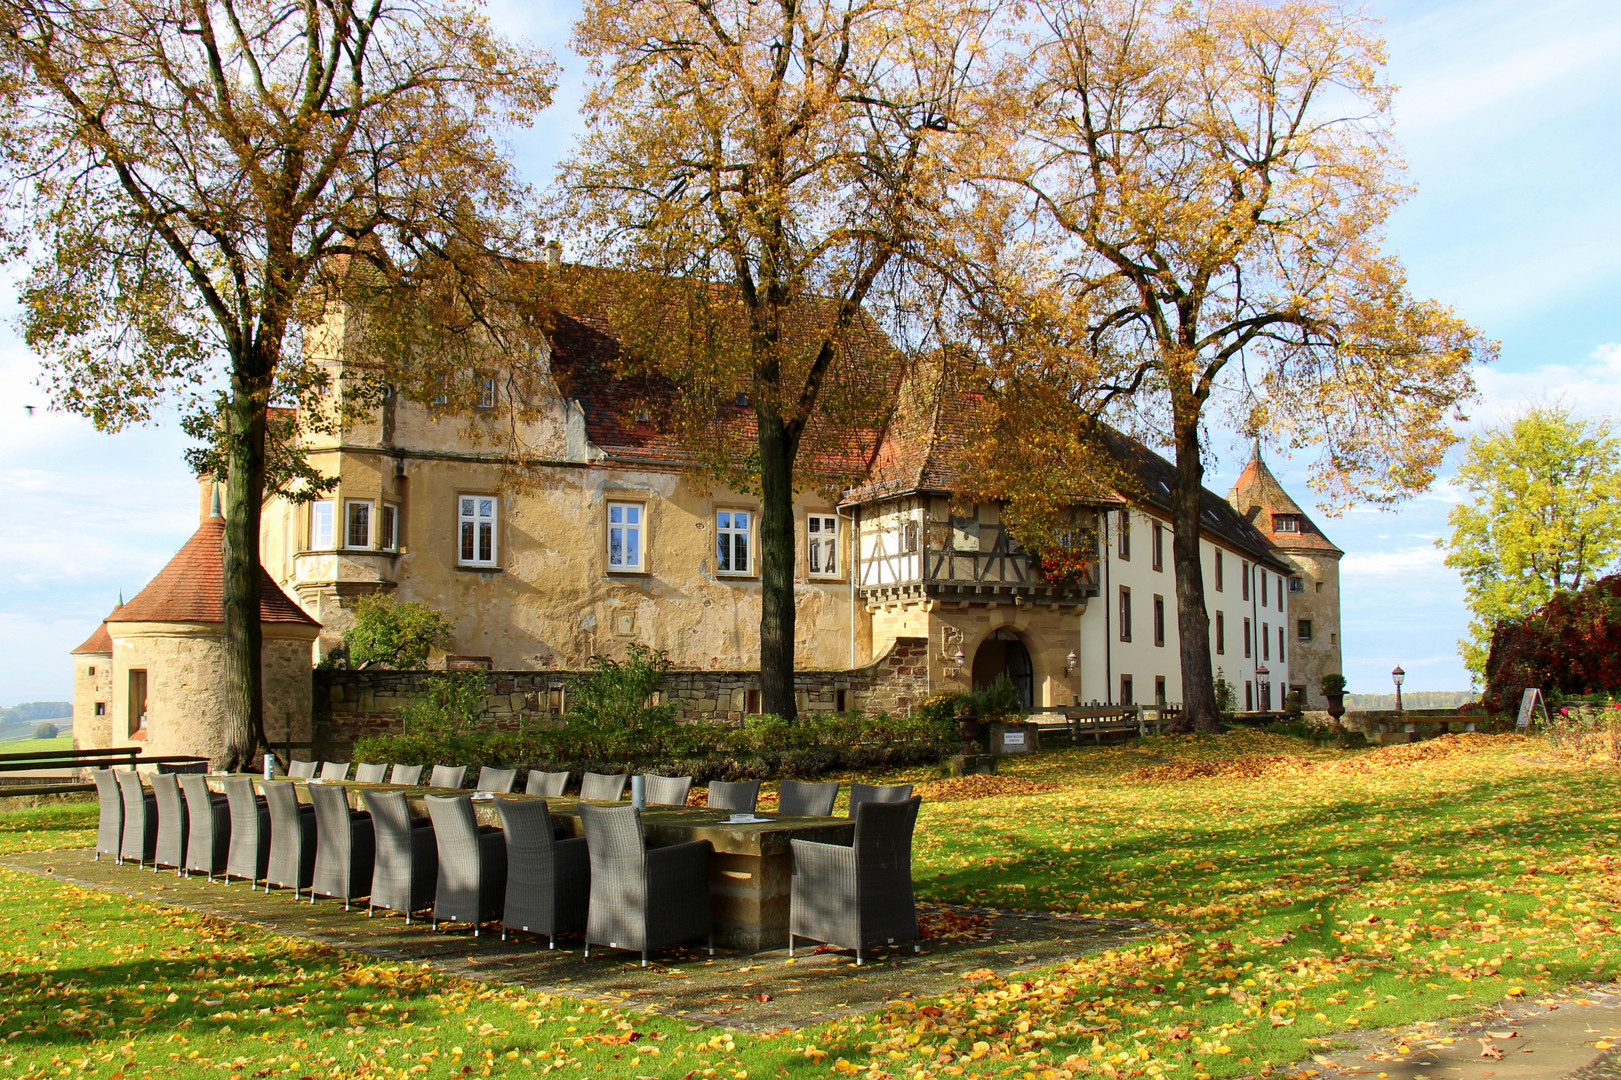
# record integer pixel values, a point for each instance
(350, 704)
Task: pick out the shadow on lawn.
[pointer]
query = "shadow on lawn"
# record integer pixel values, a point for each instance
(1322, 857)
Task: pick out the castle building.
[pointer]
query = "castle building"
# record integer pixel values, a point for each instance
(1314, 578)
(617, 537)
(152, 674)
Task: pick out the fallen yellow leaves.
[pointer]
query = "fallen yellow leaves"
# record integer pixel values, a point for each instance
(983, 787)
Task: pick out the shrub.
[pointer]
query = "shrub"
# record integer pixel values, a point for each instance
(394, 635)
(997, 699)
(451, 704)
(615, 694)
(47, 731)
(1226, 694)
(1570, 645)
(764, 747)
(1333, 683)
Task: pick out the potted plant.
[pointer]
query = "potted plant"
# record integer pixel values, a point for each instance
(1334, 690)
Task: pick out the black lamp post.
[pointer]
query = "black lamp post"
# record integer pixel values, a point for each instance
(1262, 674)
(1397, 676)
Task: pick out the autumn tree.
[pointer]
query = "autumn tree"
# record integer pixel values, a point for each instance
(204, 182)
(790, 160)
(1542, 516)
(1195, 209)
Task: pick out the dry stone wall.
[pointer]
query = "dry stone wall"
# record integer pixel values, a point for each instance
(350, 704)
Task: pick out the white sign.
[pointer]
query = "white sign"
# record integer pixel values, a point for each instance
(1012, 738)
(1530, 702)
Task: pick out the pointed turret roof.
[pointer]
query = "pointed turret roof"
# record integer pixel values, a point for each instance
(1259, 497)
(191, 588)
(98, 644)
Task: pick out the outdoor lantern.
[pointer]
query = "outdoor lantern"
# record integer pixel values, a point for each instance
(957, 657)
(1069, 662)
(1396, 677)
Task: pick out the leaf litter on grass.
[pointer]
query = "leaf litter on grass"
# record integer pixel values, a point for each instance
(1388, 887)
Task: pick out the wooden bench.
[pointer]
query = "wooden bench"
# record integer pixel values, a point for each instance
(125, 756)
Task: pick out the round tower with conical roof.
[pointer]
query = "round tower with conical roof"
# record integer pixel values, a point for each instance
(163, 654)
(1314, 587)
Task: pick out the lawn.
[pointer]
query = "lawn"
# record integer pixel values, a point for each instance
(34, 746)
(1302, 893)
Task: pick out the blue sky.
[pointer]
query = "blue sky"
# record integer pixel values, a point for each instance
(1508, 114)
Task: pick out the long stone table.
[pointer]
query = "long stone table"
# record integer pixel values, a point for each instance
(750, 871)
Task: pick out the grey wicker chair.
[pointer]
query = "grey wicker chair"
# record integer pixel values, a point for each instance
(448, 776)
(500, 780)
(249, 856)
(549, 784)
(334, 770)
(667, 790)
(174, 825)
(604, 787)
(370, 774)
(406, 867)
(548, 880)
(110, 821)
(643, 898)
(138, 837)
(858, 896)
(208, 844)
(292, 840)
(742, 796)
(472, 882)
(302, 770)
(408, 775)
(345, 847)
(863, 793)
(798, 799)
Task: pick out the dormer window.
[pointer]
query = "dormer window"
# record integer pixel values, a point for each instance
(1288, 523)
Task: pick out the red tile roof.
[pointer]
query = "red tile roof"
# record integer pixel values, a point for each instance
(1259, 497)
(191, 588)
(98, 644)
(589, 362)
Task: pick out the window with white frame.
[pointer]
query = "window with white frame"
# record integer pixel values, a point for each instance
(625, 523)
(477, 530)
(388, 528)
(486, 391)
(732, 529)
(822, 545)
(321, 525)
(357, 523)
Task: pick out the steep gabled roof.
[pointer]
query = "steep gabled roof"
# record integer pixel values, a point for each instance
(923, 447)
(191, 588)
(590, 366)
(1259, 497)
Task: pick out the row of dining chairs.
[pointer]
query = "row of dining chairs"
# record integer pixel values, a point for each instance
(795, 798)
(608, 883)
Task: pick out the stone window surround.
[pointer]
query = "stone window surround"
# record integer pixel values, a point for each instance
(750, 533)
(641, 502)
(837, 573)
(475, 563)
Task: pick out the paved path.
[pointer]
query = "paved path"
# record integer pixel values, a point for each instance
(1574, 1034)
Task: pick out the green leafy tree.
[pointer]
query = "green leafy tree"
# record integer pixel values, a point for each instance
(1543, 515)
(392, 634)
(205, 185)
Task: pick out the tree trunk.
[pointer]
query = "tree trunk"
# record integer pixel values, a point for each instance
(244, 634)
(776, 567)
(1199, 710)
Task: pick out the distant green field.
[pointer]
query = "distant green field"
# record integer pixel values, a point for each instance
(34, 746)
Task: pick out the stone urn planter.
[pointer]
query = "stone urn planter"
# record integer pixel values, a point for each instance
(1336, 706)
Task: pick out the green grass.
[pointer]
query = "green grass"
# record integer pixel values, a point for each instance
(1302, 892)
(34, 746)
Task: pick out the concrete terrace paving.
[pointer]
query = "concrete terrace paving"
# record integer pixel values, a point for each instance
(757, 992)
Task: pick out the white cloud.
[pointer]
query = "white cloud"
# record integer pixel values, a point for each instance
(1402, 563)
(1590, 387)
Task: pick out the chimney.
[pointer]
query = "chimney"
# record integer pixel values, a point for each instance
(554, 255)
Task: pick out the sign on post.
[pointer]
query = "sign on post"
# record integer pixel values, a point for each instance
(1530, 702)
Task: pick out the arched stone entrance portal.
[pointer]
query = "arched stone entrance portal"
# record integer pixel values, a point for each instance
(1003, 651)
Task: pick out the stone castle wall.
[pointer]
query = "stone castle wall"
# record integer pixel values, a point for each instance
(351, 704)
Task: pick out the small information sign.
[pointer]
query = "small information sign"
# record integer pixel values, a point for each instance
(1530, 703)
(1013, 738)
